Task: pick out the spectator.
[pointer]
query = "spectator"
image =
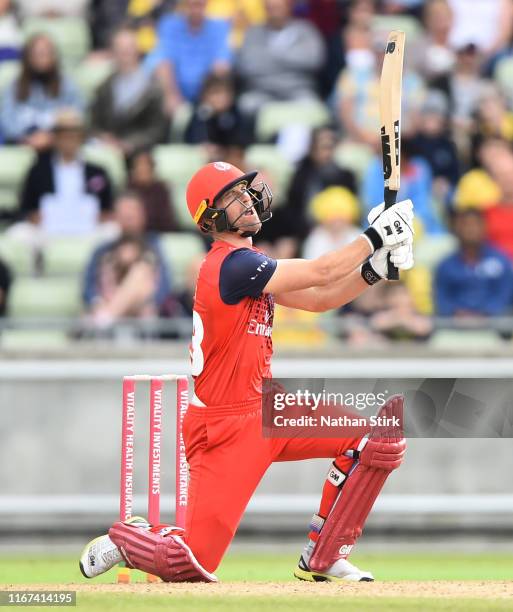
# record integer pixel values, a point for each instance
(493, 118)
(190, 47)
(314, 173)
(10, 33)
(31, 102)
(61, 193)
(216, 120)
(477, 280)
(432, 54)
(489, 24)
(398, 319)
(128, 276)
(416, 184)
(160, 216)
(464, 86)
(128, 111)
(432, 142)
(280, 60)
(335, 210)
(5, 285)
(181, 304)
(53, 8)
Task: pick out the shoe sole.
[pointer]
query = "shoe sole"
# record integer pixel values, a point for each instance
(309, 576)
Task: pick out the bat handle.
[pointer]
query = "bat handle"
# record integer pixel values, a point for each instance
(390, 199)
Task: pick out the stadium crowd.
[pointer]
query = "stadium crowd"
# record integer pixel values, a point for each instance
(114, 103)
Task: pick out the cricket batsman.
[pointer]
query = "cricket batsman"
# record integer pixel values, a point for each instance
(231, 351)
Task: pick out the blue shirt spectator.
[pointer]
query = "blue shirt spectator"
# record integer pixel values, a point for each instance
(190, 46)
(476, 280)
(31, 103)
(416, 184)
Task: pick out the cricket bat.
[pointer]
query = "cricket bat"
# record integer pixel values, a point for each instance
(390, 119)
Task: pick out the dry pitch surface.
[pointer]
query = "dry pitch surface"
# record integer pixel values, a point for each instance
(471, 589)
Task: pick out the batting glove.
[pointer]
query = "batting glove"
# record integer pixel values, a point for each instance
(390, 227)
(376, 268)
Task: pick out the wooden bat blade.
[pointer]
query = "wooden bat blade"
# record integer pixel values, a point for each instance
(390, 110)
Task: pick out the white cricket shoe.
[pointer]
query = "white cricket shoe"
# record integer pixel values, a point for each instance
(101, 554)
(340, 571)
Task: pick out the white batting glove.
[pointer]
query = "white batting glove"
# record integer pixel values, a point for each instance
(390, 227)
(376, 268)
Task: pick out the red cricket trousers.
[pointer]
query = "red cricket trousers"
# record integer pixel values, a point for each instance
(228, 457)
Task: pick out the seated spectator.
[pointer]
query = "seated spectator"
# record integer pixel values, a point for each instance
(160, 216)
(11, 39)
(5, 285)
(433, 143)
(216, 121)
(489, 25)
(416, 184)
(477, 280)
(432, 53)
(493, 119)
(316, 171)
(464, 86)
(127, 276)
(128, 111)
(398, 319)
(62, 194)
(335, 210)
(279, 60)
(31, 102)
(181, 303)
(190, 46)
(53, 8)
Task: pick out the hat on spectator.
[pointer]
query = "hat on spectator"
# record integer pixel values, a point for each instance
(335, 203)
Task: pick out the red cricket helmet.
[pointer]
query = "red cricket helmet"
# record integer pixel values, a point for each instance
(210, 183)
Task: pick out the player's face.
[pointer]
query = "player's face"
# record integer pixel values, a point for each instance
(239, 206)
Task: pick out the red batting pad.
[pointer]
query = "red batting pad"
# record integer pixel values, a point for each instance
(383, 453)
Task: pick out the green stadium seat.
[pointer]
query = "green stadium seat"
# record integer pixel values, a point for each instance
(175, 164)
(89, 75)
(430, 250)
(271, 162)
(179, 250)
(8, 72)
(68, 256)
(110, 159)
(465, 339)
(70, 34)
(33, 339)
(275, 115)
(354, 156)
(17, 256)
(15, 161)
(45, 297)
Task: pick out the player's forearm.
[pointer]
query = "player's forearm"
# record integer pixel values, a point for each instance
(337, 265)
(341, 293)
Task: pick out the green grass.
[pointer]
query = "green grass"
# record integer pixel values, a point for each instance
(279, 567)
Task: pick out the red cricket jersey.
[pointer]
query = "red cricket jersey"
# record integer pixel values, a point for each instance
(231, 345)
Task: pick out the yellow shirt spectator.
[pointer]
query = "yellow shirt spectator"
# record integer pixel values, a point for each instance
(243, 13)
